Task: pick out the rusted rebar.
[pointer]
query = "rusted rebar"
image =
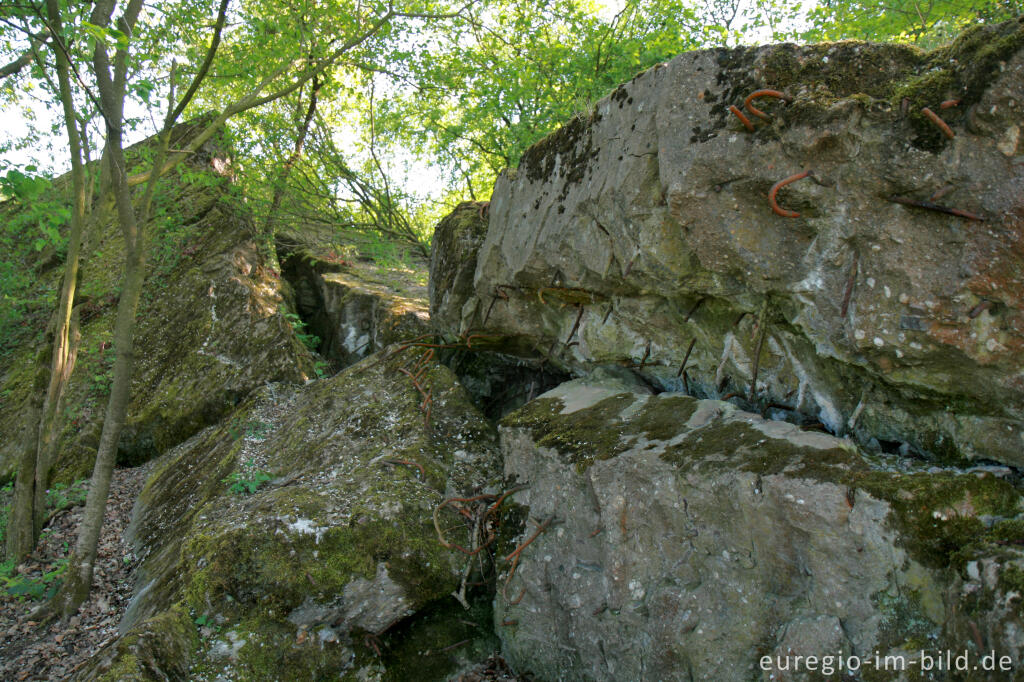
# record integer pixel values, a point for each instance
(775, 190)
(748, 102)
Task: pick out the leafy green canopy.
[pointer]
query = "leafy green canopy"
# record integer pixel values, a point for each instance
(927, 23)
(30, 222)
(444, 106)
(429, 109)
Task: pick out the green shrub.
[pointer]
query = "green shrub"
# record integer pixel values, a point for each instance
(248, 480)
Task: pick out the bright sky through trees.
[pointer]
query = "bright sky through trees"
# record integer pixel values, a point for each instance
(455, 100)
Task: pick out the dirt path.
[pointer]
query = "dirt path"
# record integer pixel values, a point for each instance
(57, 651)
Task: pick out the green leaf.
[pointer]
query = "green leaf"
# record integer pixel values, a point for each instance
(109, 36)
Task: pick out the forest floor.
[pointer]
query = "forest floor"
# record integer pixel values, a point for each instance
(58, 650)
(55, 652)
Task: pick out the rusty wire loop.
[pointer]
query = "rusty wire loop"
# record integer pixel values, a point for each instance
(482, 513)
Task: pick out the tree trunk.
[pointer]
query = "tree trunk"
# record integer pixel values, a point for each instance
(50, 421)
(21, 534)
(63, 352)
(78, 582)
(112, 87)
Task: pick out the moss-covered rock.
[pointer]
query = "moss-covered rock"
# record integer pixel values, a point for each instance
(159, 648)
(689, 539)
(300, 576)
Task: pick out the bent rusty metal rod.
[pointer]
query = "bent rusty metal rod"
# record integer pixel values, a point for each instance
(939, 123)
(748, 102)
(775, 190)
(979, 309)
(936, 207)
(743, 119)
(541, 527)
(408, 463)
(695, 308)
(575, 326)
(848, 292)
(647, 354)
(682, 367)
(499, 292)
(763, 323)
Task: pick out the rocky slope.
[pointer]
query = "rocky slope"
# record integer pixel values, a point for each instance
(655, 429)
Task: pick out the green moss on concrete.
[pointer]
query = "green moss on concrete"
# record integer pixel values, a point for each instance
(1011, 579)
(159, 648)
(962, 70)
(27, 377)
(572, 142)
(1009, 532)
(937, 514)
(845, 69)
(905, 623)
(333, 514)
(882, 75)
(274, 650)
(966, 67)
(266, 565)
(581, 437)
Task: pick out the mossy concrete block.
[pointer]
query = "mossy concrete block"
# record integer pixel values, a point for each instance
(211, 333)
(340, 543)
(457, 240)
(643, 227)
(691, 538)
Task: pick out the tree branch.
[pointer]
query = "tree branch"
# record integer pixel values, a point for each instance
(253, 99)
(38, 40)
(218, 28)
